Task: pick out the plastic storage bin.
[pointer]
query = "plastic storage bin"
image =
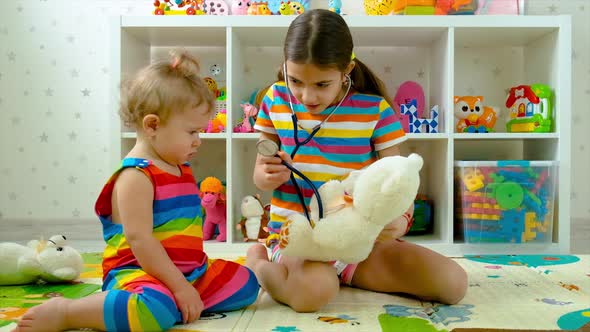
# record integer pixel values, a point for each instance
(505, 201)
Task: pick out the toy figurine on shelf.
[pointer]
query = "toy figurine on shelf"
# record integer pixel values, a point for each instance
(285, 8)
(218, 123)
(246, 125)
(335, 5)
(179, 7)
(253, 224)
(422, 220)
(212, 195)
(473, 116)
(408, 91)
(418, 124)
(378, 7)
(530, 109)
(240, 7)
(216, 7)
(253, 9)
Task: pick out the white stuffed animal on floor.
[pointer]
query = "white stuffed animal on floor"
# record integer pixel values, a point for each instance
(50, 261)
(355, 211)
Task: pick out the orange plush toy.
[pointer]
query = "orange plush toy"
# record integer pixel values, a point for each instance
(473, 116)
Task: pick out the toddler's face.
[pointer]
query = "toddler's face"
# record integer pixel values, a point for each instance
(314, 87)
(178, 139)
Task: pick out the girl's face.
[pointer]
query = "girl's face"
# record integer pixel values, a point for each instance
(315, 87)
(176, 141)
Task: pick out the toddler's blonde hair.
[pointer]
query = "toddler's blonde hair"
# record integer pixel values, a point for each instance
(164, 87)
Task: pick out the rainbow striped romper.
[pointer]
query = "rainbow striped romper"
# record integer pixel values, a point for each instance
(139, 302)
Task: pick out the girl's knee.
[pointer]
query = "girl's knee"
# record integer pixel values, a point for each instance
(314, 287)
(457, 286)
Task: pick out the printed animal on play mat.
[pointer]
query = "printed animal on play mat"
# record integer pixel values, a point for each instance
(340, 319)
(437, 314)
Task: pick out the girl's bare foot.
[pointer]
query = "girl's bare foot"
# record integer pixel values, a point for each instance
(50, 316)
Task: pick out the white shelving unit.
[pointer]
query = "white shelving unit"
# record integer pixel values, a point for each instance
(530, 49)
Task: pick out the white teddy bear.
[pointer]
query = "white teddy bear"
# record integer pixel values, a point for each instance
(50, 261)
(355, 211)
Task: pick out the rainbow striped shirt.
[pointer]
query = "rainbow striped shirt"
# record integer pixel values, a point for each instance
(349, 140)
(177, 221)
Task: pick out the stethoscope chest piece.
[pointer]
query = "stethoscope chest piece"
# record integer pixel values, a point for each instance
(267, 148)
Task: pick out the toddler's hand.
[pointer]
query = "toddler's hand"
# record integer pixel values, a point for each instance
(189, 303)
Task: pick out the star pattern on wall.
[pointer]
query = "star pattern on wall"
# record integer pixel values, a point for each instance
(49, 92)
(496, 71)
(12, 196)
(11, 56)
(85, 92)
(74, 73)
(76, 213)
(72, 179)
(15, 120)
(420, 73)
(552, 9)
(44, 138)
(77, 115)
(72, 135)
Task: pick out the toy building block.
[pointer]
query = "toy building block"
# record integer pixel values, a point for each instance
(473, 179)
(530, 223)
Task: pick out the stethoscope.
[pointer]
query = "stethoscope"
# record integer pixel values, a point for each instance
(269, 148)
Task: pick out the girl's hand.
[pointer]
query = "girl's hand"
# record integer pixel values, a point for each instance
(271, 172)
(189, 303)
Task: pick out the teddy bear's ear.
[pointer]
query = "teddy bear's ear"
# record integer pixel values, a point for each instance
(416, 160)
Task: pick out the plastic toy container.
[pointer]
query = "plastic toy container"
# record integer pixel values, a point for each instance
(509, 201)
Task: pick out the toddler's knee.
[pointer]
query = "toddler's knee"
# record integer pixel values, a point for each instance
(149, 309)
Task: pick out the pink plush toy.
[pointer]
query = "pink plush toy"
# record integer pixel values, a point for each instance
(240, 7)
(247, 124)
(212, 196)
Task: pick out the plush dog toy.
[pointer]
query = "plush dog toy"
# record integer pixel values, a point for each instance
(51, 261)
(355, 211)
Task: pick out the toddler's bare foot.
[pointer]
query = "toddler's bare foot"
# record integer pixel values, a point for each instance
(256, 254)
(50, 316)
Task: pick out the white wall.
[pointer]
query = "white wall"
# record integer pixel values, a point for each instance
(54, 97)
